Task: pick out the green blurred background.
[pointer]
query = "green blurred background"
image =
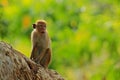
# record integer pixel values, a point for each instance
(85, 34)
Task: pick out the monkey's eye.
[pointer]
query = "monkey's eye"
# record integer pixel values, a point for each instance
(44, 25)
(41, 25)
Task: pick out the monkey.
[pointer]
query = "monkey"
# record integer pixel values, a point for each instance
(41, 44)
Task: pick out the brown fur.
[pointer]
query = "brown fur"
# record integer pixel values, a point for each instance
(41, 51)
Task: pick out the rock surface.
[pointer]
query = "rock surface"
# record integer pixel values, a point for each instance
(15, 66)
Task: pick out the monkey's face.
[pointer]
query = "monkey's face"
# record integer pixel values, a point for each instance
(40, 27)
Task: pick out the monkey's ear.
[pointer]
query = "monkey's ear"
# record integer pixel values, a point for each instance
(34, 25)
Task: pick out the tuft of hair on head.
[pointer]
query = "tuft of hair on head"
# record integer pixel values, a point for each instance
(41, 21)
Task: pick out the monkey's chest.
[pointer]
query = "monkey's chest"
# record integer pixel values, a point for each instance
(42, 43)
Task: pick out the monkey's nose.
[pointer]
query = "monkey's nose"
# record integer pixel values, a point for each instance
(42, 28)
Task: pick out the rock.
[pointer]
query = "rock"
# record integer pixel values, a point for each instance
(16, 66)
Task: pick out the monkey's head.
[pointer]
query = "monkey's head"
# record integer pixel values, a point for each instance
(40, 26)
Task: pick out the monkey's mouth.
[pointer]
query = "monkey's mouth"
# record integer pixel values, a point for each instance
(42, 32)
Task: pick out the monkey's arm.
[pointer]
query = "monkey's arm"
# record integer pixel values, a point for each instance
(34, 45)
(34, 50)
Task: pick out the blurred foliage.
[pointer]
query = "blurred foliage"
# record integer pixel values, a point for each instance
(85, 34)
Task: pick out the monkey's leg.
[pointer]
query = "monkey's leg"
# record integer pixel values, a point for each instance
(39, 56)
(46, 59)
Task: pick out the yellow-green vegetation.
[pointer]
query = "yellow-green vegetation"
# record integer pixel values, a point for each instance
(85, 34)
